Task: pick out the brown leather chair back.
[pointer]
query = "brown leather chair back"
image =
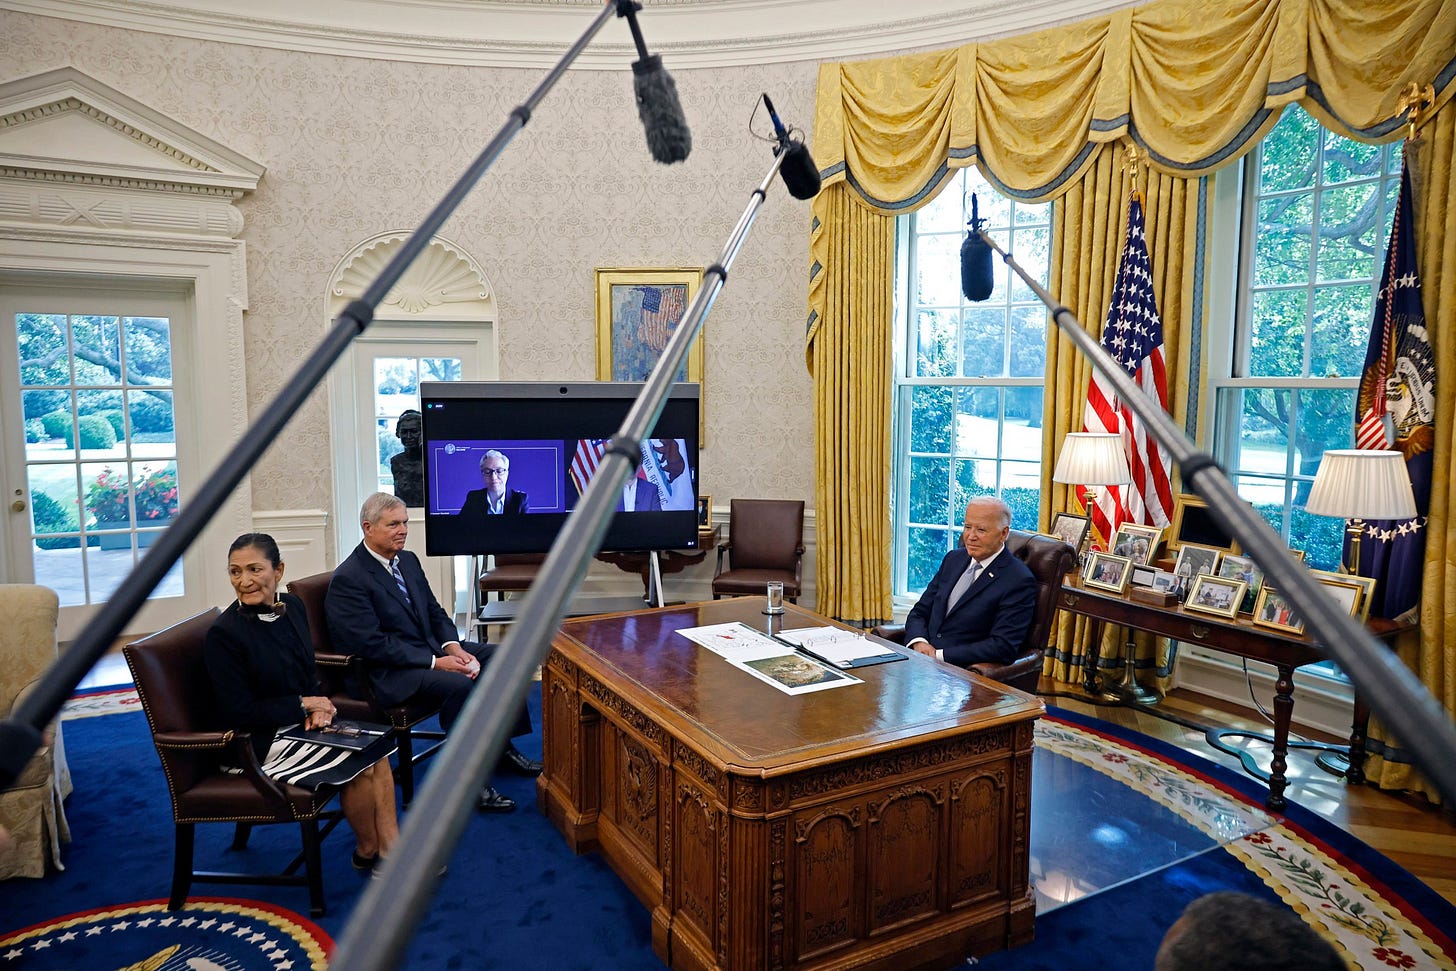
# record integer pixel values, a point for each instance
(511, 572)
(1049, 560)
(765, 534)
(313, 590)
(176, 694)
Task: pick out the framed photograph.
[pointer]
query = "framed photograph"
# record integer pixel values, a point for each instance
(1137, 543)
(1071, 529)
(1215, 595)
(1193, 522)
(1347, 594)
(1107, 571)
(637, 311)
(1192, 560)
(705, 510)
(1238, 567)
(1165, 582)
(1143, 576)
(1366, 585)
(1272, 610)
(1297, 554)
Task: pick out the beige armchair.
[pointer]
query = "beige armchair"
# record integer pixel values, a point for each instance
(31, 809)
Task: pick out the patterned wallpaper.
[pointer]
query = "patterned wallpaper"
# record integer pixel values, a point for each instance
(357, 147)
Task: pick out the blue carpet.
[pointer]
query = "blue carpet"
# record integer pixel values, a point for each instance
(516, 897)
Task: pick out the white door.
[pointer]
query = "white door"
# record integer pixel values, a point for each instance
(378, 383)
(94, 450)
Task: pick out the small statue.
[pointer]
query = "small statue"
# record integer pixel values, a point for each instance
(409, 465)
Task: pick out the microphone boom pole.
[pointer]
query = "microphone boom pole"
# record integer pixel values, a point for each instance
(20, 735)
(389, 909)
(1394, 692)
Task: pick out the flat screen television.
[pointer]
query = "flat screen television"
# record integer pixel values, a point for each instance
(505, 463)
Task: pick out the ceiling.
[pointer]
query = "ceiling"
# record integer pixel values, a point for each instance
(535, 33)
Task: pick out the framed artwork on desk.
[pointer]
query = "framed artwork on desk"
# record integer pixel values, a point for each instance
(1238, 567)
(1107, 571)
(638, 310)
(1193, 522)
(1216, 595)
(1070, 529)
(705, 510)
(1365, 584)
(1137, 543)
(1273, 610)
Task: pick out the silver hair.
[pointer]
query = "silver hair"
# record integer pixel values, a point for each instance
(377, 505)
(1000, 505)
(495, 453)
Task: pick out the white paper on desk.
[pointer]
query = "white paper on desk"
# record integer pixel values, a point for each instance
(736, 641)
(834, 644)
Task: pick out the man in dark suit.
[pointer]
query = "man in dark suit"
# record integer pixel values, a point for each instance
(380, 605)
(639, 495)
(979, 605)
(495, 499)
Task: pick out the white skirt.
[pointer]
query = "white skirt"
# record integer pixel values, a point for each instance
(310, 765)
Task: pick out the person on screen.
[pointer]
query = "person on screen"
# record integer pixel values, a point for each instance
(408, 467)
(639, 495)
(380, 604)
(979, 605)
(495, 499)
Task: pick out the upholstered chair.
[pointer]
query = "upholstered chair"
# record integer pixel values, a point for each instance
(765, 542)
(31, 809)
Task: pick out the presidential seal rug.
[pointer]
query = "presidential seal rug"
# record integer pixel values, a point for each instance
(209, 934)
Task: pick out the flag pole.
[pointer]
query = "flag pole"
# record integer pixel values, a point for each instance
(1393, 690)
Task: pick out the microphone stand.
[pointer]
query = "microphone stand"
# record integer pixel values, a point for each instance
(389, 909)
(1394, 692)
(20, 734)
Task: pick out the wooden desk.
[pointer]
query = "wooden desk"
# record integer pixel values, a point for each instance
(1241, 638)
(879, 825)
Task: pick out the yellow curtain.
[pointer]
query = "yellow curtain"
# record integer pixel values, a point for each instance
(852, 388)
(1195, 84)
(1433, 179)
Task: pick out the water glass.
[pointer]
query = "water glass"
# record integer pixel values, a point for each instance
(775, 597)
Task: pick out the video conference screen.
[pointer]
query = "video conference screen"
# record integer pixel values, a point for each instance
(506, 462)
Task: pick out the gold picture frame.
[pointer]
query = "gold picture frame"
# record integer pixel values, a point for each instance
(1107, 571)
(705, 511)
(1274, 611)
(1193, 522)
(1219, 596)
(637, 311)
(1137, 543)
(1366, 585)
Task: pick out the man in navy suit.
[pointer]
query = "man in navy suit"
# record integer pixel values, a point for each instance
(639, 495)
(979, 605)
(380, 605)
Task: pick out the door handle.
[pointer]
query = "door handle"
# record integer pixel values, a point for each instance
(18, 506)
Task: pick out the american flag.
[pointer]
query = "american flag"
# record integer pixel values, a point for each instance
(1133, 334)
(585, 460)
(662, 309)
(1395, 408)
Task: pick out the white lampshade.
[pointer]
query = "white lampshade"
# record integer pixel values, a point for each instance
(1354, 483)
(1092, 458)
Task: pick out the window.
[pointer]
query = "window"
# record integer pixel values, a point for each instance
(397, 390)
(968, 376)
(1316, 214)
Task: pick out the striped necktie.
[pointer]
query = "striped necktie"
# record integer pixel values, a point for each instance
(963, 584)
(399, 579)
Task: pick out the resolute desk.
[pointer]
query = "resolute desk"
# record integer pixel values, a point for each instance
(876, 825)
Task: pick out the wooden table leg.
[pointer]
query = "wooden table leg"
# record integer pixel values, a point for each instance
(1355, 774)
(1283, 712)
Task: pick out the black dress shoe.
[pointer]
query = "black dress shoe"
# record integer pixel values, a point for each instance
(364, 863)
(514, 760)
(494, 802)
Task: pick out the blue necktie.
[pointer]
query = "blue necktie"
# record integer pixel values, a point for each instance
(399, 579)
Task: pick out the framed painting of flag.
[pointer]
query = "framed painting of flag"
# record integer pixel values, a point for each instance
(637, 311)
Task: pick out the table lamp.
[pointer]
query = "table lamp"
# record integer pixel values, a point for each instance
(1092, 459)
(1359, 484)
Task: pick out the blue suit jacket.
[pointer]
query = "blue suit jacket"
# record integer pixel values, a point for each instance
(645, 499)
(368, 615)
(990, 621)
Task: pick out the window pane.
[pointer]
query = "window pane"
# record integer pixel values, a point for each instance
(440, 369)
(929, 489)
(1342, 319)
(926, 548)
(1290, 153)
(153, 423)
(1021, 488)
(1283, 245)
(983, 343)
(148, 350)
(43, 350)
(1344, 160)
(1277, 322)
(935, 336)
(1350, 227)
(938, 270)
(1021, 430)
(978, 422)
(1028, 341)
(98, 350)
(931, 419)
(1325, 420)
(943, 213)
(1033, 247)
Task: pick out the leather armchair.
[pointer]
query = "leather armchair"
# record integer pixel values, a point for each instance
(176, 693)
(765, 542)
(511, 572)
(31, 808)
(1049, 560)
(344, 678)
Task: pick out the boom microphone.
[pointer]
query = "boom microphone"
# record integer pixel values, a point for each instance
(668, 138)
(800, 174)
(978, 278)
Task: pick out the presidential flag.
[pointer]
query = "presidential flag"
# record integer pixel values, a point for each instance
(1395, 408)
(1133, 335)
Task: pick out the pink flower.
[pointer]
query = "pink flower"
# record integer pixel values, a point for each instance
(1394, 957)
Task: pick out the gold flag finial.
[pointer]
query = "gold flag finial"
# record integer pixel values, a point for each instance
(1131, 161)
(1414, 100)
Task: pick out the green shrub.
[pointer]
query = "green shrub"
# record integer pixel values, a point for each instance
(151, 414)
(117, 422)
(34, 430)
(57, 424)
(50, 516)
(95, 433)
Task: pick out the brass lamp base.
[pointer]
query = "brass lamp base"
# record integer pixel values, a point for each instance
(1128, 691)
